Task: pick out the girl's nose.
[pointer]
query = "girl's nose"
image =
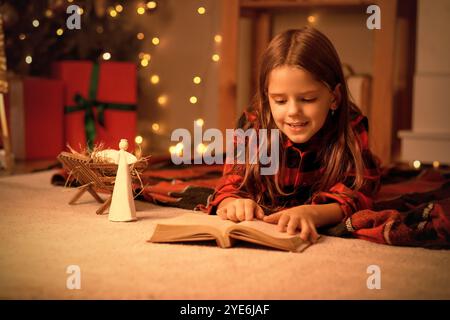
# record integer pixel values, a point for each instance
(294, 108)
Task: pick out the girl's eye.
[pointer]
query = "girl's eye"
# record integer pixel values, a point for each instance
(283, 101)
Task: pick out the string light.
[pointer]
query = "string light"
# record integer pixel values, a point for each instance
(80, 11)
(144, 62)
(113, 13)
(119, 8)
(59, 32)
(154, 79)
(48, 13)
(162, 100)
(140, 10)
(436, 164)
(201, 148)
(312, 19)
(106, 56)
(155, 127)
(155, 41)
(215, 57)
(145, 56)
(197, 80)
(69, 1)
(416, 164)
(199, 122)
(138, 139)
(218, 38)
(178, 149)
(99, 29)
(193, 99)
(22, 36)
(140, 36)
(28, 59)
(35, 23)
(201, 10)
(151, 4)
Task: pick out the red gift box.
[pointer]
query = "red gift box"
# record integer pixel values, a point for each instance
(35, 117)
(100, 103)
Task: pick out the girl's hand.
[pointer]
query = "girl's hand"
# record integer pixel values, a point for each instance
(239, 210)
(295, 218)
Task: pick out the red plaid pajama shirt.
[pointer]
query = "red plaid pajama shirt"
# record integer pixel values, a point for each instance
(302, 169)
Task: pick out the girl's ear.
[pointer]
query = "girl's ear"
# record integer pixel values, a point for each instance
(337, 95)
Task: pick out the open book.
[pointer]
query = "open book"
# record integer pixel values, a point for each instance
(201, 227)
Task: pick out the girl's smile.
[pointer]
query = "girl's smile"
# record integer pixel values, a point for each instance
(298, 102)
(297, 126)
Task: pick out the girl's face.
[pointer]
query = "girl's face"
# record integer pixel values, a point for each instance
(299, 103)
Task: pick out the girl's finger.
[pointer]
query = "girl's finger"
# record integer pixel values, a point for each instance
(314, 234)
(259, 213)
(304, 234)
(273, 218)
(284, 219)
(292, 225)
(222, 213)
(231, 213)
(249, 209)
(240, 210)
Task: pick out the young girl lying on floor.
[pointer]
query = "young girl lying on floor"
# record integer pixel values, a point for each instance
(327, 171)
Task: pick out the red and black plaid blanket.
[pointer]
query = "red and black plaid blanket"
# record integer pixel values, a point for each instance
(411, 209)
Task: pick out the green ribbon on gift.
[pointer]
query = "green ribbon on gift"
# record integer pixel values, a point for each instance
(88, 104)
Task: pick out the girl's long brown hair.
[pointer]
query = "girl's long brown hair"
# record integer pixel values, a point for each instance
(310, 50)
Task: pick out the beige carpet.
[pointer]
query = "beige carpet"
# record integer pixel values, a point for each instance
(41, 235)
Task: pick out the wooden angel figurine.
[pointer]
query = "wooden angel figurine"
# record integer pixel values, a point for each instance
(122, 204)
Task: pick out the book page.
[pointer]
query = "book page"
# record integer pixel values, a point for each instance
(268, 228)
(193, 227)
(199, 219)
(267, 234)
